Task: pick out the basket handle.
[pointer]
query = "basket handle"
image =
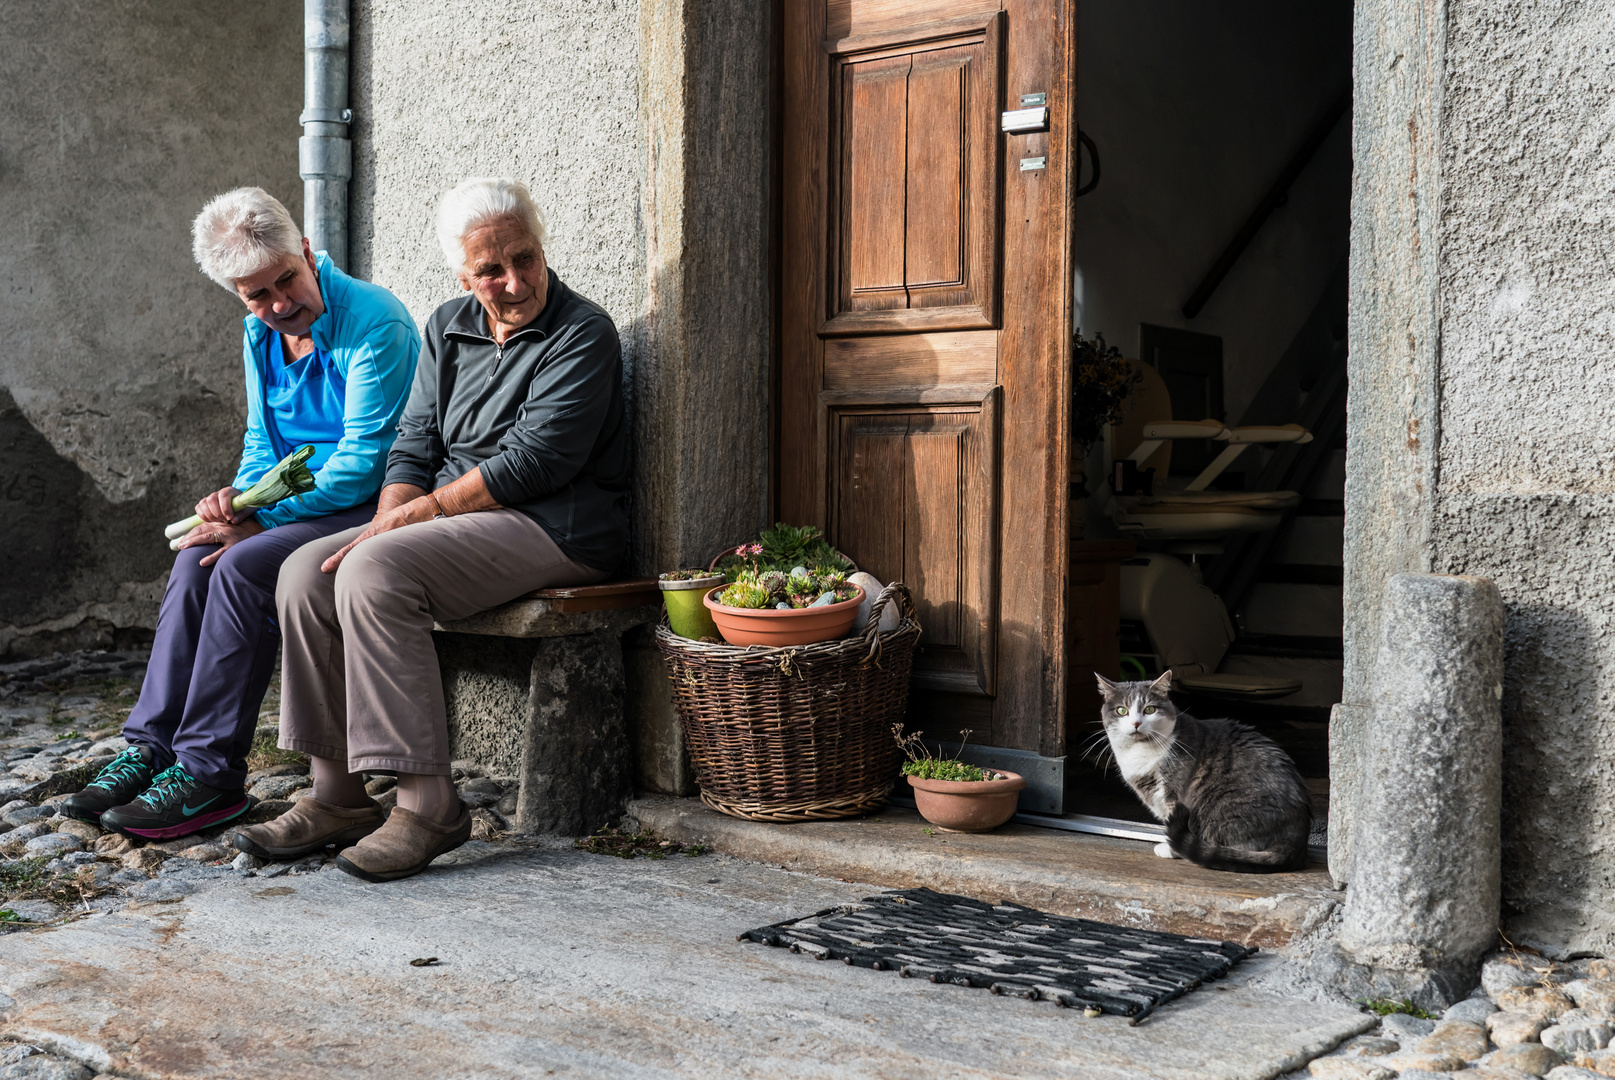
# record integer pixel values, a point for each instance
(895, 593)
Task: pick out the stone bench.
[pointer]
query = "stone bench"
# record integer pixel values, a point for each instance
(535, 690)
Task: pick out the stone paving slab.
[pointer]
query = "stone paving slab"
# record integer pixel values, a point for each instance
(1068, 873)
(554, 962)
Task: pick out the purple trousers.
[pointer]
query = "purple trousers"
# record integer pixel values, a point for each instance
(215, 651)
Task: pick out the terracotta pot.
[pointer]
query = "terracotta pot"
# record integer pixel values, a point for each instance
(968, 805)
(774, 626)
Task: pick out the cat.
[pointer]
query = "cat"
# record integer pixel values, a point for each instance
(1230, 798)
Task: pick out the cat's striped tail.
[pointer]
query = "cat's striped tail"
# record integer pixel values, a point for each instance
(1183, 835)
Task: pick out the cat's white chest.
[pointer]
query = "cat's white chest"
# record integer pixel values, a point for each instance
(1138, 759)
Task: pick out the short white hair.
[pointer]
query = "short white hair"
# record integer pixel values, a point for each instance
(241, 232)
(482, 199)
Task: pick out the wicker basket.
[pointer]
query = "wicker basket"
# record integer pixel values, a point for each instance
(800, 732)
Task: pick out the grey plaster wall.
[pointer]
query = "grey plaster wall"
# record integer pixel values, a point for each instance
(1526, 460)
(121, 395)
(1483, 321)
(547, 93)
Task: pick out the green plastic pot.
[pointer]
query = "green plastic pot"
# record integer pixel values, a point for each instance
(686, 614)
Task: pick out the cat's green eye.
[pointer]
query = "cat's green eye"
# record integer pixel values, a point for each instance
(1149, 710)
(1121, 710)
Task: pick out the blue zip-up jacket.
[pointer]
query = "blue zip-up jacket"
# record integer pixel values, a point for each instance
(373, 344)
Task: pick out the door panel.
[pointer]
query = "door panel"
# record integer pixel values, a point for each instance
(913, 137)
(875, 128)
(914, 503)
(925, 334)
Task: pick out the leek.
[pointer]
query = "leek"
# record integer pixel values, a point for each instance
(289, 477)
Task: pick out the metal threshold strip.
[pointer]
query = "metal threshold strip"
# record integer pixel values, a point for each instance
(1096, 826)
(1083, 823)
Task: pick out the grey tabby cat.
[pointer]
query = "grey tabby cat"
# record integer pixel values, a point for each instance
(1230, 798)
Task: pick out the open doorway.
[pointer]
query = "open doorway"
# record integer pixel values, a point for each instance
(1212, 250)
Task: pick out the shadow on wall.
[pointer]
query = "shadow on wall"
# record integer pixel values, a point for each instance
(1553, 812)
(64, 542)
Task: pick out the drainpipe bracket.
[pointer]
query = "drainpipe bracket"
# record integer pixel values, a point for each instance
(326, 116)
(322, 157)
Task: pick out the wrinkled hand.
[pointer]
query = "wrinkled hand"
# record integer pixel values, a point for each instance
(216, 507)
(222, 533)
(410, 513)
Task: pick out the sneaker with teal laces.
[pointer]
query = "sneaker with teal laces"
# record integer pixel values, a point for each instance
(119, 780)
(176, 804)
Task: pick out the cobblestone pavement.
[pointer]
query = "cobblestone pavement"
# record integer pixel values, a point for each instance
(60, 722)
(1530, 1017)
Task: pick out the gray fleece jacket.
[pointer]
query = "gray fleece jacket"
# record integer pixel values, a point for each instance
(542, 416)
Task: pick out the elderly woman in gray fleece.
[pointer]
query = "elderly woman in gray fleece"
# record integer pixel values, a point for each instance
(509, 474)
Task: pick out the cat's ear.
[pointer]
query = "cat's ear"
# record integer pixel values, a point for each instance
(1163, 685)
(1106, 687)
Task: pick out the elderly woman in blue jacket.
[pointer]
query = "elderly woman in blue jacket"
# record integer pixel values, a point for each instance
(329, 360)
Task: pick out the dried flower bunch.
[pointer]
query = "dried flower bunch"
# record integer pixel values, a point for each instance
(1100, 381)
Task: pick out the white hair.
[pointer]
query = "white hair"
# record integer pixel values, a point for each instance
(241, 232)
(482, 199)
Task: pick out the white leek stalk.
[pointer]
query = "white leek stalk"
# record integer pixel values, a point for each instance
(289, 477)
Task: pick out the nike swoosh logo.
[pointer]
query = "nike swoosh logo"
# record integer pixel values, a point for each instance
(187, 809)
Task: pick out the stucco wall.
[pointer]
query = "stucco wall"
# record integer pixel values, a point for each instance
(547, 93)
(121, 396)
(1483, 322)
(1526, 457)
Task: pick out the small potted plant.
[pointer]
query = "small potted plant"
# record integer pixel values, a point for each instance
(956, 796)
(682, 594)
(788, 588)
(798, 606)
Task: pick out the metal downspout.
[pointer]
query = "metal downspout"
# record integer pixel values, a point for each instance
(324, 154)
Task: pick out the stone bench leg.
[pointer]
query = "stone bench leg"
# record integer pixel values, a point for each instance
(576, 766)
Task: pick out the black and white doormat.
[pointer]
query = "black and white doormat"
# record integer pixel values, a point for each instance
(1009, 949)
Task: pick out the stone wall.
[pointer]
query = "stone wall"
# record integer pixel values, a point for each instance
(121, 396)
(1483, 325)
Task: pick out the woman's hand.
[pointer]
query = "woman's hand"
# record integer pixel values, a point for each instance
(410, 513)
(219, 507)
(223, 533)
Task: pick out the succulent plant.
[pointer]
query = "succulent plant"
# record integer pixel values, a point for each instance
(744, 594)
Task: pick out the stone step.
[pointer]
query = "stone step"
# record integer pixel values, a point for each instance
(1067, 873)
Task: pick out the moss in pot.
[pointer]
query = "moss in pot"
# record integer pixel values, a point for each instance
(954, 795)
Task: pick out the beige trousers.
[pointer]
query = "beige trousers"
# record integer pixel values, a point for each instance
(359, 674)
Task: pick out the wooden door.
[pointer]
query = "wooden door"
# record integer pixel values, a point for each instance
(925, 335)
